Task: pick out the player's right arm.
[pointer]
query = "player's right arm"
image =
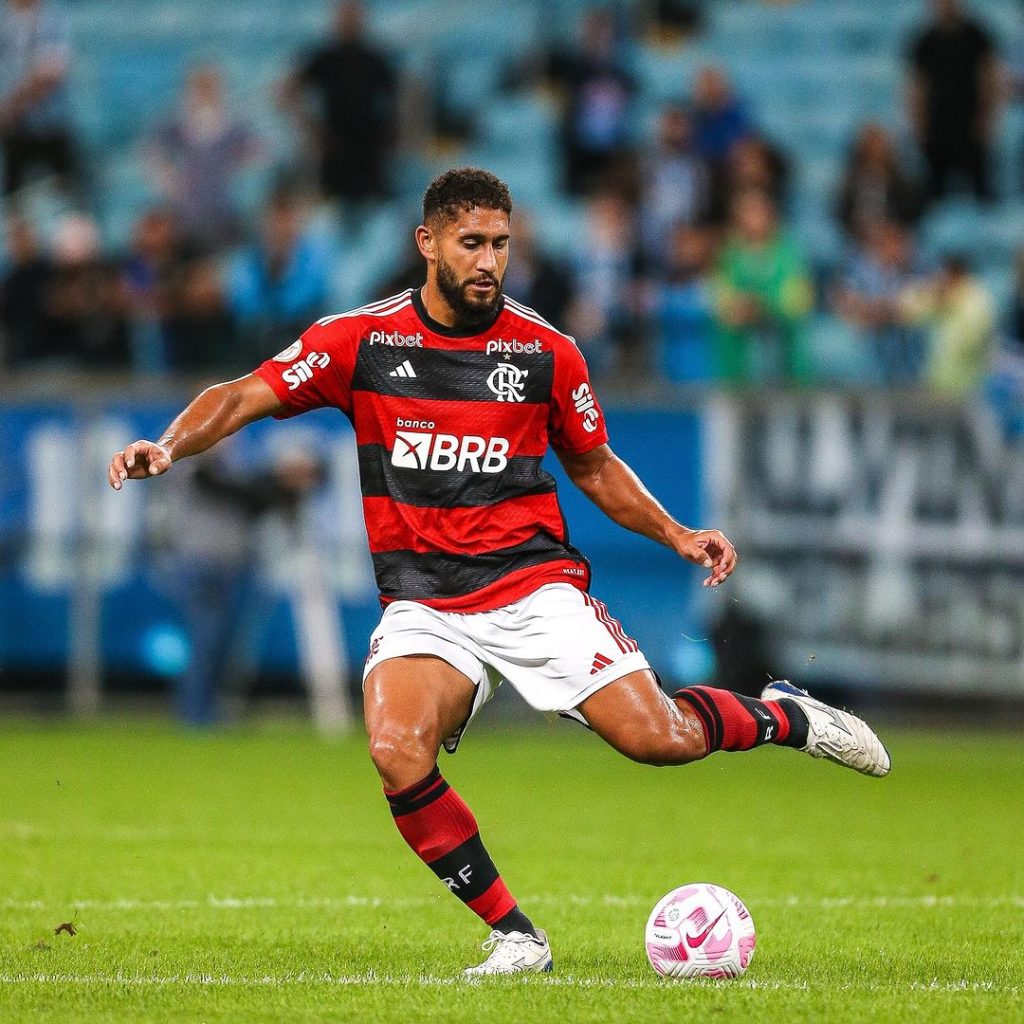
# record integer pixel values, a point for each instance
(213, 415)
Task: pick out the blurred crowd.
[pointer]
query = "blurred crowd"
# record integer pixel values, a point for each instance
(686, 269)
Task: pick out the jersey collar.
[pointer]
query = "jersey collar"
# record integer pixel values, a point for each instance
(451, 332)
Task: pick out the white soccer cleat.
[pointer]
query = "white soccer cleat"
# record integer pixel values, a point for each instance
(834, 734)
(513, 953)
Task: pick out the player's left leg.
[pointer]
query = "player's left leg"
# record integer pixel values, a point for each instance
(564, 651)
(633, 715)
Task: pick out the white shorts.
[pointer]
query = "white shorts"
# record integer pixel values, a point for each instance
(556, 646)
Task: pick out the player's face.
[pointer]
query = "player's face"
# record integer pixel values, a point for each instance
(471, 256)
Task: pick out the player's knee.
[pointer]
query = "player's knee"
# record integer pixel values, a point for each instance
(403, 754)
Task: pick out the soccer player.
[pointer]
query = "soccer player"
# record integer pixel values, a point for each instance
(455, 392)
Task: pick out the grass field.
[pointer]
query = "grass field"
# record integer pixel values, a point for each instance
(256, 876)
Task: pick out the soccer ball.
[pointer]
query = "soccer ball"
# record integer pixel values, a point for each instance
(700, 930)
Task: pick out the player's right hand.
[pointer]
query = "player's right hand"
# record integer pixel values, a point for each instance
(139, 460)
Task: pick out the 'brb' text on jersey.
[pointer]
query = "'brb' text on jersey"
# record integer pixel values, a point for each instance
(451, 428)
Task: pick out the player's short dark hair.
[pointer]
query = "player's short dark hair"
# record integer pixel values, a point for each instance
(464, 188)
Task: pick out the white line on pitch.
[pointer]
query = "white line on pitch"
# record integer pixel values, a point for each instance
(562, 899)
(372, 978)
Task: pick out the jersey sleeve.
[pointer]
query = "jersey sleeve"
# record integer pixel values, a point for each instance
(316, 371)
(576, 423)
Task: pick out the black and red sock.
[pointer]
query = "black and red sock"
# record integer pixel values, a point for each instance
(436, 822)
(734, 722)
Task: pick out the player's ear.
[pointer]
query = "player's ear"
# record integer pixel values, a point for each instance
(426, 242)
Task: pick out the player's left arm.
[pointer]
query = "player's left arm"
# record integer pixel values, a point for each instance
(611, 485)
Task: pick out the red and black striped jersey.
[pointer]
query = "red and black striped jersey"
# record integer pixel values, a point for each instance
(451, 429)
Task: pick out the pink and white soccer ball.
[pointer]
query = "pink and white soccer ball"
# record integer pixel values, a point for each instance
(700, 930)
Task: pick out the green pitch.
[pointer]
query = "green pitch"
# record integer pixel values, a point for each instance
(256, 876)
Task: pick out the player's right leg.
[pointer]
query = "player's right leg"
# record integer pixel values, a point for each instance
(412, 704)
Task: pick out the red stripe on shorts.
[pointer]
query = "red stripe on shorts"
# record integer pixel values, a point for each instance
(626, 643)
(602, 616)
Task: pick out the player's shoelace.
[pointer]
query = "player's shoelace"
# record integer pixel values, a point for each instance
(851, 743)
(505, 951)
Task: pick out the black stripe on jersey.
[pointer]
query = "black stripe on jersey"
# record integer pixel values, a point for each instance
(449, 488)
(453, 376)
(411, 575)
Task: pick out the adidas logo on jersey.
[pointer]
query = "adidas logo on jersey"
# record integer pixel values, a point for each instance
(403, 370)
(415, 449)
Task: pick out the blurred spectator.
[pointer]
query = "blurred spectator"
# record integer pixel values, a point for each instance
(598, 102)
(150, 272)
(87, 304)
(720, 117)
(23, 292)
(605, 312)
(868, 298)
(1016, 318)
(177, 302)
(154, 262)
(752, 163)
(763, 298)
(533, 278)
(675, 185)
(201, 332)
(409, 273)
(35, 129)
(678, 17)
(197, 155)
(277, 286)
(875, 188)
(346, 93)
(954, 98)
(214, 562)
(959, 313)
(685, 307)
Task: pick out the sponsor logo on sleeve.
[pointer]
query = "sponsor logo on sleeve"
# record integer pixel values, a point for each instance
(299, 372)
(290, 353)
(586, 406)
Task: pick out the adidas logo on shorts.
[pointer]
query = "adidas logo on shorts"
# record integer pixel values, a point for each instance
(600, 662)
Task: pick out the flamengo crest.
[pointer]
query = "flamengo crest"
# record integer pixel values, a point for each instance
(507, 382)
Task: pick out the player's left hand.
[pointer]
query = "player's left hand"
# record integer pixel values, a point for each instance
(710, 549)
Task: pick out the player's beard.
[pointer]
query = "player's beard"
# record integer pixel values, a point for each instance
(469, 311)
